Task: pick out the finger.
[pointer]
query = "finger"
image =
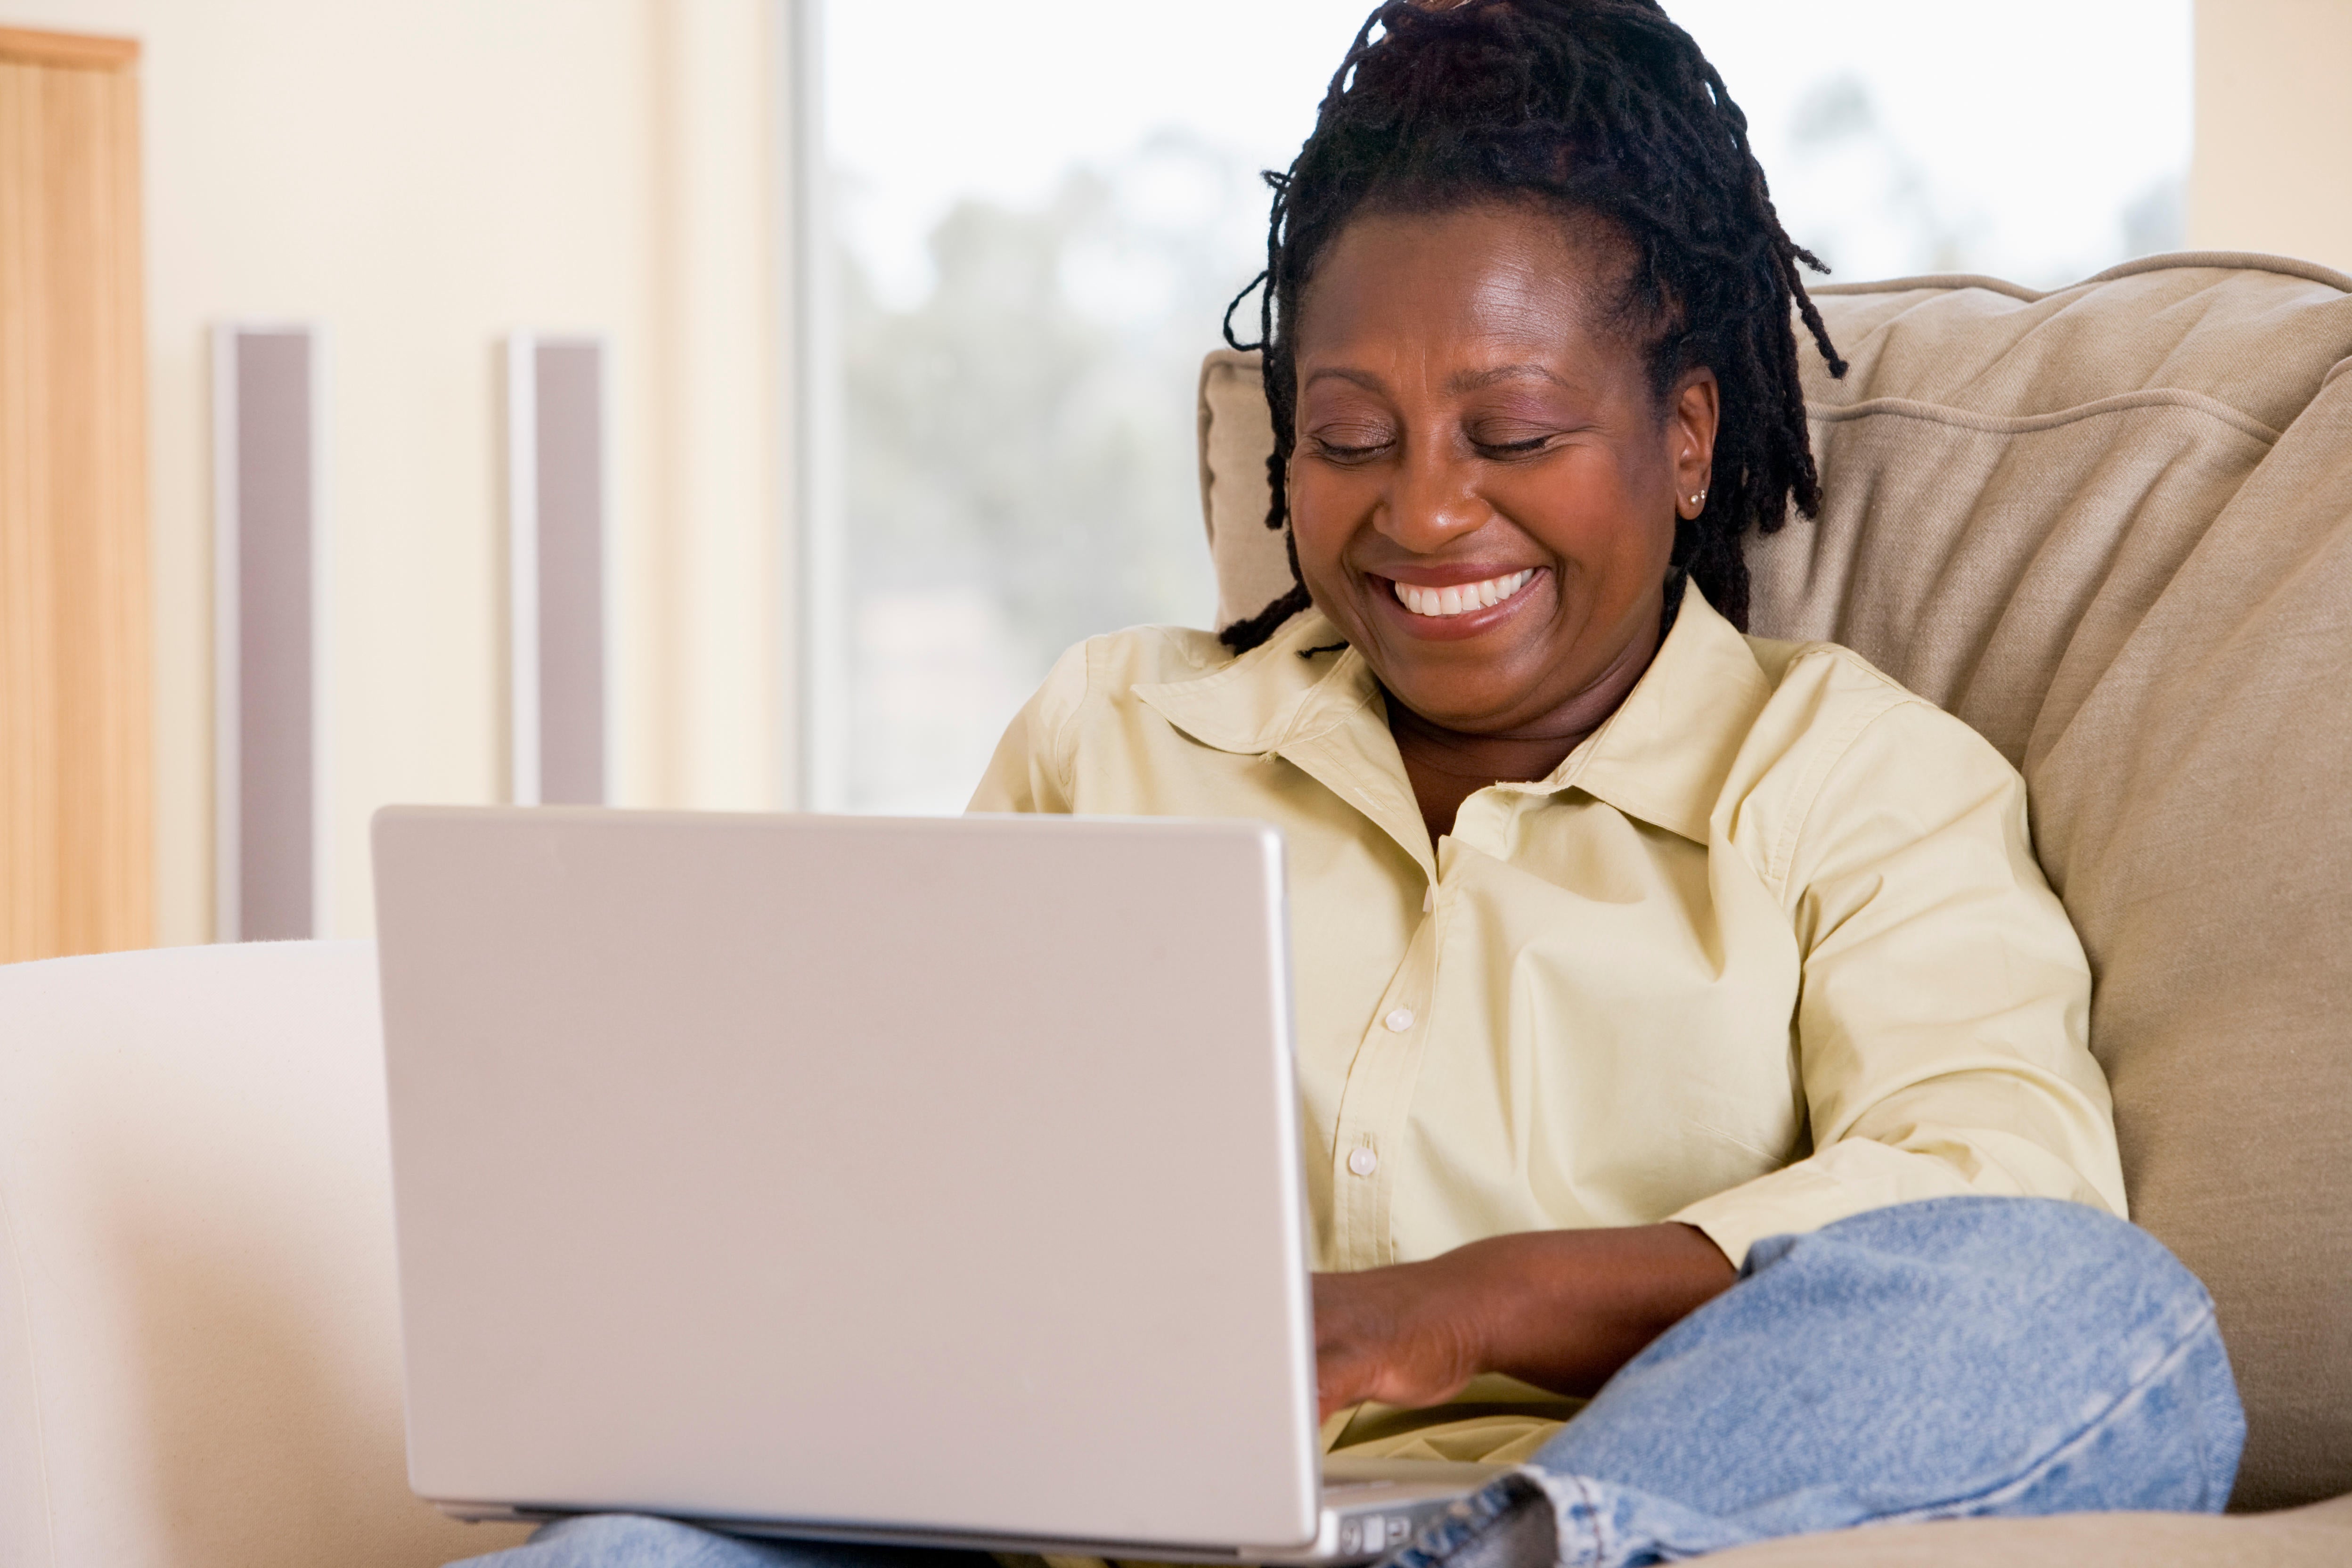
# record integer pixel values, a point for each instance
(1343, 1378)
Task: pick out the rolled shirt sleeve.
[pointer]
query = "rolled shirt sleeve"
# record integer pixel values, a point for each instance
(1943, 1012)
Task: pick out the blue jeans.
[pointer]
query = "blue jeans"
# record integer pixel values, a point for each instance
(1935, 1359)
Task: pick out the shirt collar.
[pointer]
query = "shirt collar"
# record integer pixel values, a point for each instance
(1661, 757)
(1272, 694)
(1667, 752)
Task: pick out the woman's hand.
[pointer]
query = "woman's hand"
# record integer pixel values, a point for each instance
(1411, 1334)
(1562, 1310)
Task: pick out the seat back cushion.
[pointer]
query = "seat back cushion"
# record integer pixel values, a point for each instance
(2111, 527)
(199, 1337)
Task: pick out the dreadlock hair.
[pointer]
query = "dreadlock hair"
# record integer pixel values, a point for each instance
(1602, 110)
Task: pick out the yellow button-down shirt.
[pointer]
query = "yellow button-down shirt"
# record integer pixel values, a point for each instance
(1768, 949)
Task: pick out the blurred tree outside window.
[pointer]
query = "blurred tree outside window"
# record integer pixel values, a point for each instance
(1020, 470)
(1043, 212)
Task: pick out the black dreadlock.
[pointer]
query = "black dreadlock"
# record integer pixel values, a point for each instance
(1601, 108)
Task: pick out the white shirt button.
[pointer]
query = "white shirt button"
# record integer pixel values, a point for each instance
(1399, 1020)
(1363, 1162)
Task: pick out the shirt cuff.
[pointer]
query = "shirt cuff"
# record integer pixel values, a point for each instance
(1847, 1178)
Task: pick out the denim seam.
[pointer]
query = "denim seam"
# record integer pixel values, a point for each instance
(1960, 1507)
(1460, 1525)
(2218, 1483)
(1589, 1545)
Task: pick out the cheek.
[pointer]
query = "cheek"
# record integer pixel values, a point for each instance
(1590, 515)
(1320, 514)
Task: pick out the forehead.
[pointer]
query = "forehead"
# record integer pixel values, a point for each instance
(1518, 275)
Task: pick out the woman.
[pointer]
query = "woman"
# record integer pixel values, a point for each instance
(1684, 1020)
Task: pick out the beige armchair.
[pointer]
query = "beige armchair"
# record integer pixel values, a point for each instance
(2111, 527)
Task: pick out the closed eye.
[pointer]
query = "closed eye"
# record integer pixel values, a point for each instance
(1365, 445)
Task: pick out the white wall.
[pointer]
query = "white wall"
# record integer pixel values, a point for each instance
(2273, 169)
(421, 177)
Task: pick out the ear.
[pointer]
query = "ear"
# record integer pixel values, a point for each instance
(1693, 410)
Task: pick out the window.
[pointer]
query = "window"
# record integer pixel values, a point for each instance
(1040, 212)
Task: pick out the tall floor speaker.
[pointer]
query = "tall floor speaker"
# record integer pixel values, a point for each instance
(558, 713)
(268, 626)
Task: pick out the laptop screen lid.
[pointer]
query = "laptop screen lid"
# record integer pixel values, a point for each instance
(935, 1175)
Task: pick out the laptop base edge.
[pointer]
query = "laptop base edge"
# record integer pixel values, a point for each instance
(1364, 1518)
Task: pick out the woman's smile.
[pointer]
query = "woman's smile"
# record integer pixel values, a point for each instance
(1460, 601)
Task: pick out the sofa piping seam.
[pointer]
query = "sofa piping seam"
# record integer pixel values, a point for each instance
(2168, 261)
(2031, 424)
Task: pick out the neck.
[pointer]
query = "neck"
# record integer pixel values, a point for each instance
(1447, 766)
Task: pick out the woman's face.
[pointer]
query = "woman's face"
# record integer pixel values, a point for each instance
(1484, 489)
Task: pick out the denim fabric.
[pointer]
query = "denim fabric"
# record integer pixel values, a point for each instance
(1934, 1360)
(628, 1541)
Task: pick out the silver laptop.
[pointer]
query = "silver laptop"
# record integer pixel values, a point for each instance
(931, 1182)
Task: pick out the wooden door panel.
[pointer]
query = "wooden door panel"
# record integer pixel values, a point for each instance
(76, 769)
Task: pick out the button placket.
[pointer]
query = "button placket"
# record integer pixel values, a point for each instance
(1374, 1104)
(1357, 1182)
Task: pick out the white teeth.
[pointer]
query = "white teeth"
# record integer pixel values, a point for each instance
(1467, 596)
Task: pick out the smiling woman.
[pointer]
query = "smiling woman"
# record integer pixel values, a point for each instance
(1638, 960)
(1683, 1022)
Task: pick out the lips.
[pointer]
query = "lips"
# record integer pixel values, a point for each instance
(1459, 599)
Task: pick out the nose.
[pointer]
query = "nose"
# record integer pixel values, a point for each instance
(1433, 500)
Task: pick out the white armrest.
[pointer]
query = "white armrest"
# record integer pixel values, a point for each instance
(199, 1340)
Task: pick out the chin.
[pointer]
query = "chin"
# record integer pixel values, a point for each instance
(1475, 711)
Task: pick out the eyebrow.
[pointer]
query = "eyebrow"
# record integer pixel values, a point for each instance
(1362, 378)
(1471, 381)
(1468, 381)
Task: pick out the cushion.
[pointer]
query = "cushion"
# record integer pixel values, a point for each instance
(1237, 439)
(2319, 1536)
(2111, 527)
